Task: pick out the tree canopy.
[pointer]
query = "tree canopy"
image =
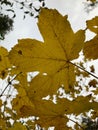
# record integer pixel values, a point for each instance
(8, 13)
(54, 93)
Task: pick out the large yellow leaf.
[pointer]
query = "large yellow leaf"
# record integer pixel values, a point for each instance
(60, 46)
(4, 62)
(51, 114)
(57, 32)
(91, 48)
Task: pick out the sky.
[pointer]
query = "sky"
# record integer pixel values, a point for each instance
(27, 28)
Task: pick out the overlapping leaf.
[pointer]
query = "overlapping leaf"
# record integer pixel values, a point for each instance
(91, 47)
(51, 114)
(4, 62)
(21, 100)
(93, 24)
(60, 46)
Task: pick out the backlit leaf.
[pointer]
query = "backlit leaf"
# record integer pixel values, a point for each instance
(90, 48)
(44, 85)
(4, 62)
(60, 46)
(93, 24)
(51, 114)
(21, 100)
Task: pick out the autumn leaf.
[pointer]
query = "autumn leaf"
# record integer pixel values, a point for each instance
(90, 48)
(93, 83)
(4, 62)
(21, 100)
(93, 24)
(60, 46)
(44, 85)
(51, 114)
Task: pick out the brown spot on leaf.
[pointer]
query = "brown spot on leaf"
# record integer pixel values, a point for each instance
(20, 52)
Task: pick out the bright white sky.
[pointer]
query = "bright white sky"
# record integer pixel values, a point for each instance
(28, 28)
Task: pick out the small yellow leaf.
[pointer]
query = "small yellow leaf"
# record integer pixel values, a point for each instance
(93, 83)
(90, 48)
(93, 24)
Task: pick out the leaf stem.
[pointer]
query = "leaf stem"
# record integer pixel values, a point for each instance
(9, 83)
(76, 123)
(83, 70)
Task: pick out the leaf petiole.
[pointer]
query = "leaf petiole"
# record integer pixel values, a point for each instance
(83, 70)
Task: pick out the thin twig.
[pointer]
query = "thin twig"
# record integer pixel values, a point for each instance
(83, 70)
(9, 83)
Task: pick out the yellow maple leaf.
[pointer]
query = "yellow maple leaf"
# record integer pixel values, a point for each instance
(60, 46)
(49, 114)
(4, 62)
